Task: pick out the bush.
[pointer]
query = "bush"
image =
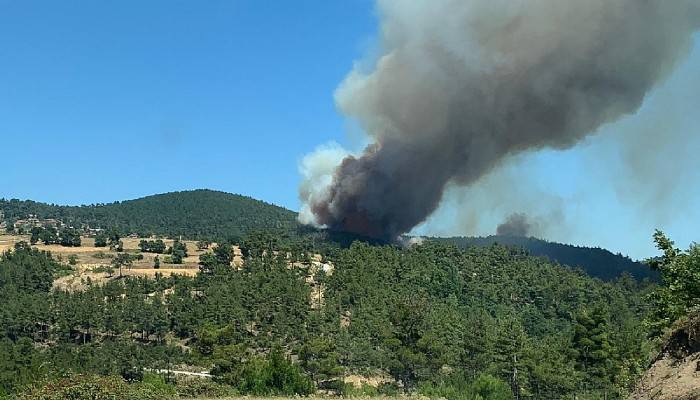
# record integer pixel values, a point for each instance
(336, 386)
(152, 246)
(154, 384)
(350, 390)
(91, 387)
(273, 375)
(102, 255)
(484, 387)
(197, 387)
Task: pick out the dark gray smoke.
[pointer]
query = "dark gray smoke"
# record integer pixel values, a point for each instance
(515, 225)
(463, 84)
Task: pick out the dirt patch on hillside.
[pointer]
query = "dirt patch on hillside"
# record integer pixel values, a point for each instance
(92, 262)
(359, 381)
(675, 375)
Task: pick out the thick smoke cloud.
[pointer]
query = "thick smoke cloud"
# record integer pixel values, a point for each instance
(462, 85)
(515, 225)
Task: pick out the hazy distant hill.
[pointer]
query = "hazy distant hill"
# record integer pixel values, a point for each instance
(193, 214)
(596, 262)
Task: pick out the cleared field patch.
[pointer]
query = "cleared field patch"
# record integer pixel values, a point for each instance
(7, 242)
(93, 262)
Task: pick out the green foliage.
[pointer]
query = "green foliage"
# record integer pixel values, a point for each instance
(67, 237)
(259, 243)
(48, 235)
(26, 269)
(224, 254)
(114, 240)
(122, 260)
(484, 387)
(203, 244)
(72, 260)
(92, 387)
(101, 239)
(592, 345)
(178, 251)
(493, 310)
(320, 359)
(200, 214)
(596, 262)
(207, 263)
(101, 255)
(221, 257)
(152, 246)
(70, 237)
(680, 292)
(20, 365)
(272, 375)
(365, 390)
(203, 388)
(434, 318)
(116, 245)
(35, 235)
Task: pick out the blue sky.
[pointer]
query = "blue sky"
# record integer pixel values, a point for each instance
(104, 101)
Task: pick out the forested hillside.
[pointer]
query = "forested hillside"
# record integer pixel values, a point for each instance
(596, 262)
(193, 214)
(207, 214)
(432, 319)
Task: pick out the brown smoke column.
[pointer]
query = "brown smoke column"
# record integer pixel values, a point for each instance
(461, 85)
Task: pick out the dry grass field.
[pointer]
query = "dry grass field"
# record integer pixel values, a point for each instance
(92, 261)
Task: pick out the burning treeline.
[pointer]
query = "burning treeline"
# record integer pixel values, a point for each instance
(462, 85)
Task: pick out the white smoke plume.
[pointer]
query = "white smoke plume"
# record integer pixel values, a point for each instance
(462, 85)
(317, 170)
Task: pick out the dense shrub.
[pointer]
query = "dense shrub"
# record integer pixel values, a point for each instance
(272, 375)
(91, 387)
(198, 387)
(350, 390)
(484, 387)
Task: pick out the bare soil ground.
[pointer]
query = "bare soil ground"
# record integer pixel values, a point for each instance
(670, 379)
(675, 375)
(374, 381)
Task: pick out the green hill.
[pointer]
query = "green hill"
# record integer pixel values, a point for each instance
(209, 214)
(193, 214)
(597, 262)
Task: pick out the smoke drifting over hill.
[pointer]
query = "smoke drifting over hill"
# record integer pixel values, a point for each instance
(462, 85)
(515, 225)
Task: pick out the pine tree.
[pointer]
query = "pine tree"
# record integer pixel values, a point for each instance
(592, 345)
(510, 344)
